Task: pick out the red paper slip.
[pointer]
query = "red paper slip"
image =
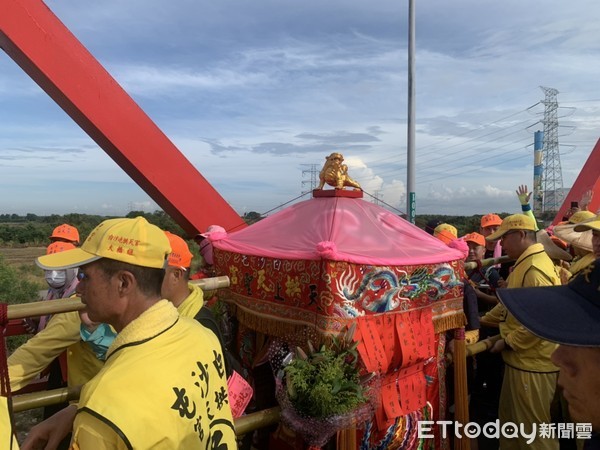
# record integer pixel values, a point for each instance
(390, 397)
(390, 342)
(240, 394)
(406, 337)
(411, 388)
(370, 338)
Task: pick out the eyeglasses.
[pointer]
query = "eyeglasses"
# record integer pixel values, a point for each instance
(82, 276)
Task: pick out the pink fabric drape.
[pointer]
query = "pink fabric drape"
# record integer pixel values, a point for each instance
(339, 229)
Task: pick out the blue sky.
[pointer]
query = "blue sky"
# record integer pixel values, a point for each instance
(253, 93)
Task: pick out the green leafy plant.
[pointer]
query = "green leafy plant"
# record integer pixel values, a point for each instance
(326, 382)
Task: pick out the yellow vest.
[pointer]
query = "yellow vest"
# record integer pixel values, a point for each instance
(192, 303)
(581, 263)
(529, 352)
(6, 435)
(62, 332)
(163, 386)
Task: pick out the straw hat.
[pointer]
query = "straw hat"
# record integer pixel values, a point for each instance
(567, 233)
(552, 250)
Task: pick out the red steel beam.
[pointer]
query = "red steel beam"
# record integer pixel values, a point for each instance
(588, 179)
(53, 57)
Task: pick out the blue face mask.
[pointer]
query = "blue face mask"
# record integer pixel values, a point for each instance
(99, 340)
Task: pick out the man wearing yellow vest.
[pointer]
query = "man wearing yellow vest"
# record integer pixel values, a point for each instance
(189, 298)
(163, 384)
(530, 376)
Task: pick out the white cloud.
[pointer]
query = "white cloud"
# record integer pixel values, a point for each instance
(155, 81)
(251, 93)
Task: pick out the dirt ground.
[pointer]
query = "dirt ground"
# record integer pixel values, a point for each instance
(23, 260)
(16, 256)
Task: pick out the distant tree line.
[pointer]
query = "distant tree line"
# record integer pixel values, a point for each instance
(34, 230)
(469, 224)
(464, 224)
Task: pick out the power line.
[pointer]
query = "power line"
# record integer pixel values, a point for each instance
(430, 166)
(583, 101)
(436, 178)
(437, 145)
(479, 158)
(476, 138)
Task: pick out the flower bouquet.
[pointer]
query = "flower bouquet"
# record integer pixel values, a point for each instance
(321, 391)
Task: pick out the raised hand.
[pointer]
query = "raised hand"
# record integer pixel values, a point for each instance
(586, 199)
(523, 194)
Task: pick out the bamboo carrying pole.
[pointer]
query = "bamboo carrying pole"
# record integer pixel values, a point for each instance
(258, 419)
(243, 425)
(33, 400)
(36, 399)
(470, 265)
(254, 421)
(62, 305)
(474, 349)
(41, 308)
(482, 346)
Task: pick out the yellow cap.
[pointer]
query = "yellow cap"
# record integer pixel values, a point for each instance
(514, 222)
(593, 224)
(445, 232)
(581, 216)
(132, 241)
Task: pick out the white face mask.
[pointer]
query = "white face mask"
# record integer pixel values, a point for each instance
(56, 278)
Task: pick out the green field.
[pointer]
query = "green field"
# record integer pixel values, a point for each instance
(22, 259)
(16, 256)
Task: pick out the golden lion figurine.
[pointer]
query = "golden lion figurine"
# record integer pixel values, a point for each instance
(335, 174)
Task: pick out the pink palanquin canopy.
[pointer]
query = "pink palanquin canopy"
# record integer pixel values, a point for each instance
(330, 263)
(325, 261)
(339, 229)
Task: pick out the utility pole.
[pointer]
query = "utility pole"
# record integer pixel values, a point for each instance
(552, 182)
(410, 145)
(377, 197)
(312, 181)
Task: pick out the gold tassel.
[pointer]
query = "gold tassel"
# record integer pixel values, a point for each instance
(443, 324)
(269, 325)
